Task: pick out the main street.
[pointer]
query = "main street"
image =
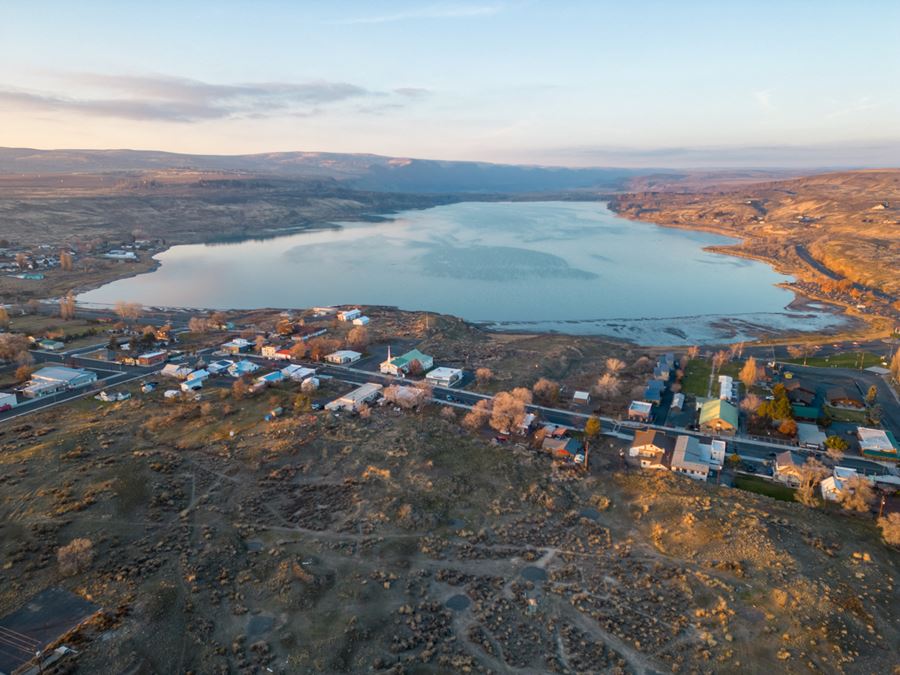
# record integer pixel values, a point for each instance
(751, 449)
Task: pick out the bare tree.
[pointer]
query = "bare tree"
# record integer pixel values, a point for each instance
(299, 350)
(890, 528)
(692, 352)
(67, 306)
(75, 557)
(857, 494)
(614, 366)
(750, 404)
(895, 365)
(4, 317)
(507, 412)
(21, 260)
(12, 345)
(23, 373)
(811, 473)
(749, 373)
(128, 311)
(65, 261)
(719, 359)
(478, 416)
(608, 386)
(546, 390)
(523, 394)
(736, 350)
(199, 324)
(484, 375)
(259, 343)
(358, 338)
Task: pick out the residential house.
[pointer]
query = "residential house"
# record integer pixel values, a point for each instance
(726, 387)
(677, 402)
(54, 379)
(218, 367)
(361, 321)
(365, 394)
(297, 373)
(718, 416)
(400, 365)
(51, 345)
(688, 458)
(444, 377)
(838, 397)
(640, 411)
(651, 449)
(877, 444)
(200, 374)
(654, 391)
(527, 424)
(348, 314)
(236, 346)
(662, 371)
(274, 377)
(810, 436)
(242, 368)
(581, 398)
(562, 448)
(787, 468)
(8, 400)
(305, 333)
(343, 357)
(178, 371)
(833, 487)
(799, 394)
(152, 358)
(269, 351)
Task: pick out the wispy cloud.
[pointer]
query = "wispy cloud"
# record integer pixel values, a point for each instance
(813, 155)
(164, 98)
(841, 110)
(444, 11)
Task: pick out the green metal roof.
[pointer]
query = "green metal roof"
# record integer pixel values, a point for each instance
(808, 412)
(409, 357)
(719, 409)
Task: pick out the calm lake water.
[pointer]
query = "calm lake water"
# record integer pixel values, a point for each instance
(572, 267)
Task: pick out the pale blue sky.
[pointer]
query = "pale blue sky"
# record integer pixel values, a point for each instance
(577, 83)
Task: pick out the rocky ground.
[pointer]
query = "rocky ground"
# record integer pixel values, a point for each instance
(397, 543)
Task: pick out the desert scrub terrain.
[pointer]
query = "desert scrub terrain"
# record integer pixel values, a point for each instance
(820, 228)
(397, 543)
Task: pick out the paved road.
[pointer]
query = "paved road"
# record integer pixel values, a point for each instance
(759, 450)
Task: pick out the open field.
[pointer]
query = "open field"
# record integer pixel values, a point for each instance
(322, 544)
(764, 487)
(861, 360)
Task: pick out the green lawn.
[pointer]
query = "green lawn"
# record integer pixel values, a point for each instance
(764, 487)
(696, 377)
(841, 360)
(841, 415)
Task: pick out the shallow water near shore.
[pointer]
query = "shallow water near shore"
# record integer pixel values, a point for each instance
(570, 267)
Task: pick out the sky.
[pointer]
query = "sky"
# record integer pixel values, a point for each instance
(690, 83)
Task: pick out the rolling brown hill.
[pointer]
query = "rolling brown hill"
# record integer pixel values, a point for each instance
(821, 228)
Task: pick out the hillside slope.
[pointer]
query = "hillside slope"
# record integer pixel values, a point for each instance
(361, 171)
(821, 228)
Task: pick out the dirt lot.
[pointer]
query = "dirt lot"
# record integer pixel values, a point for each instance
(397, 543)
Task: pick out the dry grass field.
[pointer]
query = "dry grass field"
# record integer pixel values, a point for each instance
(398, 543)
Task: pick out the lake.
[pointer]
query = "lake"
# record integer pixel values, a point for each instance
(573, 267)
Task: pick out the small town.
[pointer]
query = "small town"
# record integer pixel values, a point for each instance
(410, 338)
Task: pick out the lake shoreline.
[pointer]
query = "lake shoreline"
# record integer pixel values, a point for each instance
(732, 327)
